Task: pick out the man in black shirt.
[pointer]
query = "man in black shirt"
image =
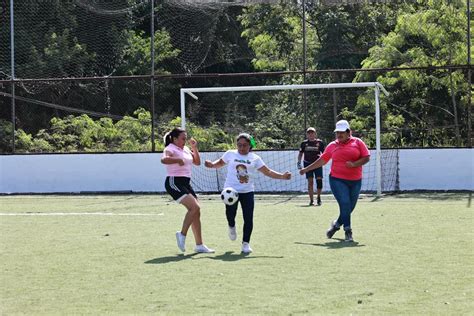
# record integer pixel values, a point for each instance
(310, 150)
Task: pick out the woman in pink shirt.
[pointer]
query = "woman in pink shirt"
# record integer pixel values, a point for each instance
(348, 155)
(179, 159)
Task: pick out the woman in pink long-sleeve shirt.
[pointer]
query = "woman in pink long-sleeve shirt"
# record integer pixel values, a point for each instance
(179, 159)
(348, 155)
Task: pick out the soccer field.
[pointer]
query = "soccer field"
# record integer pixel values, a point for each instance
(117, 254)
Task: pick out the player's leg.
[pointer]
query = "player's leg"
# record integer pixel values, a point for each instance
(192, 217)
(176, 187)
(310, 179)
(319, 184)
(354, 191)
(247, 202)
(194, 212)
(341, 192)
(310, 188)
(230, 213)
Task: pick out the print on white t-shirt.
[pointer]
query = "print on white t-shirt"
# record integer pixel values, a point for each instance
(241, 170)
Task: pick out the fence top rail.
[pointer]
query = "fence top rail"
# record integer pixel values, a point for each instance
(190, 91)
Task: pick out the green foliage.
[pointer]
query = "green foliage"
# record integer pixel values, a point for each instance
(131, 134)
(137, 53)
(69, 39)
(420, 102)
(274, 34)
(209, 138)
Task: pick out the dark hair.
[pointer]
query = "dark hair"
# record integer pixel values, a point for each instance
(248, 138)
(174, 133)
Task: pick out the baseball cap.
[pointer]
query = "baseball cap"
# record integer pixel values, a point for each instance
(310, 129)
(342, 126)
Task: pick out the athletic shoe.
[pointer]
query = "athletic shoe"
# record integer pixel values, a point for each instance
(319, 201)
(203, 249)
(311, 203)
(246, 247)
(180, 240)
(349, 235)
(232, 233)
(332, 230)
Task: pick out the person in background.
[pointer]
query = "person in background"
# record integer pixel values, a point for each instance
(178, 159)
(348, 154)
(310, 150)
(242, 167)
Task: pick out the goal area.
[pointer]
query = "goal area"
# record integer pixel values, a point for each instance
(379, 175)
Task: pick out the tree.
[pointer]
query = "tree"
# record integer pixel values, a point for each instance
(420, 109)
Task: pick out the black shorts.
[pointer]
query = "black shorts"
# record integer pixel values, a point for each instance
(315, 173)
(179, 187)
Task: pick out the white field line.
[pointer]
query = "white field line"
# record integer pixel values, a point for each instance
(79, 214)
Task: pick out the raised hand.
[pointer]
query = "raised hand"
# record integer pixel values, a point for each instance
(193, 142)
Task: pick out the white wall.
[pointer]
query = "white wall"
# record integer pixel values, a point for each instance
(419, 169)
(436, 169)
(76, 173)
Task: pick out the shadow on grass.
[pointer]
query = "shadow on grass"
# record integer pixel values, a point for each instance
(335, 243)
(169, 259)
(231, 256)
(227, 256)
(312, 206)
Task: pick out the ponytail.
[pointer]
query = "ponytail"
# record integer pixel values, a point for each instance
(174, 133)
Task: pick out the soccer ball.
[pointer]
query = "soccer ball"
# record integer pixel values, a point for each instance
(229, 196)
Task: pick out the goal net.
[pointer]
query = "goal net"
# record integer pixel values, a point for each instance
(277, 121)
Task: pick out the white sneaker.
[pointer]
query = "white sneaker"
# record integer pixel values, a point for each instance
(180, 240)
(232, 233)
(246, 247)
(203, 249)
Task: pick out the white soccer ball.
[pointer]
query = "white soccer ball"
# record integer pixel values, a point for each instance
(229, 196)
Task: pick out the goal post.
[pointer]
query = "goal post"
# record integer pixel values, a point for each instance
(376, 85)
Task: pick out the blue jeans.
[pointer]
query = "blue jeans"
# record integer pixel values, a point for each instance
(346, 193)
(247, 202)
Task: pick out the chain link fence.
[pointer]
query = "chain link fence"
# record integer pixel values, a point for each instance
(82, 76)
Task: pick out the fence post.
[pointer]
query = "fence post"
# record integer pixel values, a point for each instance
(12, 59)
(152, 78)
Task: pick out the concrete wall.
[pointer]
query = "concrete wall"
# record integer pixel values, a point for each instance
(436, 169)
(76, 173)
(419, 169)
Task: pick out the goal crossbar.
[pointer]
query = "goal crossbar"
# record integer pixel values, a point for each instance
(376, 85)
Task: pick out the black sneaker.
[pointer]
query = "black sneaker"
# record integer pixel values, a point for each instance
(332, 230)
(319, 201)
(311, 203)
(349, 235)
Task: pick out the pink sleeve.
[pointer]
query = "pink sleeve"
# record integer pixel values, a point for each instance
(167, 152)
(364, 151)
(327, 154)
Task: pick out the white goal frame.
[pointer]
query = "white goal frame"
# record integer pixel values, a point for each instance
(376, 85)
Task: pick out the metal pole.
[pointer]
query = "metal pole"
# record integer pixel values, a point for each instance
(12, 60)
(305, 104)
(469, 77)
(183, 113)
(378, 166)
(152, 79)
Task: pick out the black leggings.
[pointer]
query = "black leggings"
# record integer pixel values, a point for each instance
(247, 203)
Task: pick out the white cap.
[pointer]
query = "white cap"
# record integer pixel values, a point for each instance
(342, 126)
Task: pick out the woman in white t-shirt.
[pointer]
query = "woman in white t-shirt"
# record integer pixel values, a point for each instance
(242, 166)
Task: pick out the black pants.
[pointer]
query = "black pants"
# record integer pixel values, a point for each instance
(247, 202)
